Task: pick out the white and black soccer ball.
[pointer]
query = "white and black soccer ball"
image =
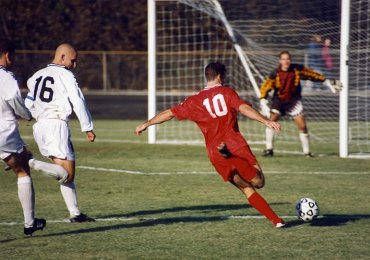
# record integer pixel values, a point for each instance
(307, 209)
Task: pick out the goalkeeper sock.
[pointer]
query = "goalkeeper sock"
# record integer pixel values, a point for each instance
(68, 191)
(305, 140)
(270, 135)
(261, 205)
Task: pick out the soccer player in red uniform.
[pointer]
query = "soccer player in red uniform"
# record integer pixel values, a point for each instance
(285, 84)
(214, 110)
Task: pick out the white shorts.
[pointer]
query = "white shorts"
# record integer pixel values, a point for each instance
(4, 155)
(53, 137)
(10, 139)
(293, 110)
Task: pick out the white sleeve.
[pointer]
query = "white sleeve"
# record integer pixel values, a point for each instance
(77, 100)
(15, 101)
(29, 101)
(19, 108)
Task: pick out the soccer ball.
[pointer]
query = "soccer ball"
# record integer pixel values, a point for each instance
(307, 209)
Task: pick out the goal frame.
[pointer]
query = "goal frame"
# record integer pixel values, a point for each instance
(344, 69)
(152, 78)
(344, 74)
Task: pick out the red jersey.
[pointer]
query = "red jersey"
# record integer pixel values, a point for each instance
(215, 110)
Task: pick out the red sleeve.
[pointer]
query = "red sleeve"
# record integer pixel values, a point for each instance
(182, 111)
(236, 101)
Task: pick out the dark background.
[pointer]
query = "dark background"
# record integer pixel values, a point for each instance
(122, 24)
(104, 25)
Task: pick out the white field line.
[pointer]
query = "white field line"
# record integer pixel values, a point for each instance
(195, 143)
(139, 141)
(211, 172)
(126, 219)
(138, 172)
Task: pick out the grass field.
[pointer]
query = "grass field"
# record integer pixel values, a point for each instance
(166, 202)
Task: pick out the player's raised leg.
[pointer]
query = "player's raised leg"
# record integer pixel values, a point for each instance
(303, 134)
(53, 140)
(19, 164)
(53, 170)
(68, 190)
(248, 188)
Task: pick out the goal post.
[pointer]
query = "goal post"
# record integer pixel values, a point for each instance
(344, 59)
(152, 79)
(241, 54)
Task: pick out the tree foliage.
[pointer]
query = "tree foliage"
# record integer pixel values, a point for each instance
(88, 24)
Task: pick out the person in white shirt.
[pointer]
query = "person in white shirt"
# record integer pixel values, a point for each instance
(12, 148)
(53, 95)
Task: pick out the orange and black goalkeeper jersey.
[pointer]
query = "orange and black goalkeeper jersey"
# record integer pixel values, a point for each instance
(286, 84)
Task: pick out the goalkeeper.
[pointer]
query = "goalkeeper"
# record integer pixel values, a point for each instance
(285, 84)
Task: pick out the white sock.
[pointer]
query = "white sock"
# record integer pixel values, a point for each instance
(69, 194)
(270, 135)
(26, 196)
(52, 170)
(305, 140)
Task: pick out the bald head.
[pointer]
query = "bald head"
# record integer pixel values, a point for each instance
(65, 55)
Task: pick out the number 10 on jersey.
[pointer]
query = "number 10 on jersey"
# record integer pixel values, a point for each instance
(218, 107)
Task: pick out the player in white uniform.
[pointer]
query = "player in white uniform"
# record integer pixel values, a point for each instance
(12, 148)
(53, 95)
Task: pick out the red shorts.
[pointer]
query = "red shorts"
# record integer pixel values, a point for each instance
(242, 162)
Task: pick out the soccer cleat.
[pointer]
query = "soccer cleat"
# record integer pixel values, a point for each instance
(38, 224)
(309, 155)
(30, 155)
(223, 150)
(280, 224)
(268, 153)
(81, 218)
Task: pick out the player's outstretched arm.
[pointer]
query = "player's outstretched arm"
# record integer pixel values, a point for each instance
(158, 119)
(19, 107)
(333, 84)
(251, 113)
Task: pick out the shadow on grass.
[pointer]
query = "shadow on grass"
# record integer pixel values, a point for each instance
(200, 208)
(142, 223)
(206, 209)
(8, 240)
(327, 220)
(330, 220)
(323, 221)
(153, 221)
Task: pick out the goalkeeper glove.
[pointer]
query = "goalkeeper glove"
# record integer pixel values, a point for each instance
(334, 85)
(265, 110)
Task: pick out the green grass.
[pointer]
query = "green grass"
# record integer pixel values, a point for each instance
(178, 215)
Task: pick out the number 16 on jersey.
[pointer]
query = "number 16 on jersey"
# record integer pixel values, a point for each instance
(46, 93)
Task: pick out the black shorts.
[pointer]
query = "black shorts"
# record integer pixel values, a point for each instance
(291, 108)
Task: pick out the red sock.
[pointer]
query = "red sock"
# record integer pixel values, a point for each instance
(260, 204)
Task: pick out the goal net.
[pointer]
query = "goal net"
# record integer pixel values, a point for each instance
(359, 78)
(190, 34)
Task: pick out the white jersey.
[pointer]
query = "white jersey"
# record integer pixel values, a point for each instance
(54, 94)
(11, 104)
